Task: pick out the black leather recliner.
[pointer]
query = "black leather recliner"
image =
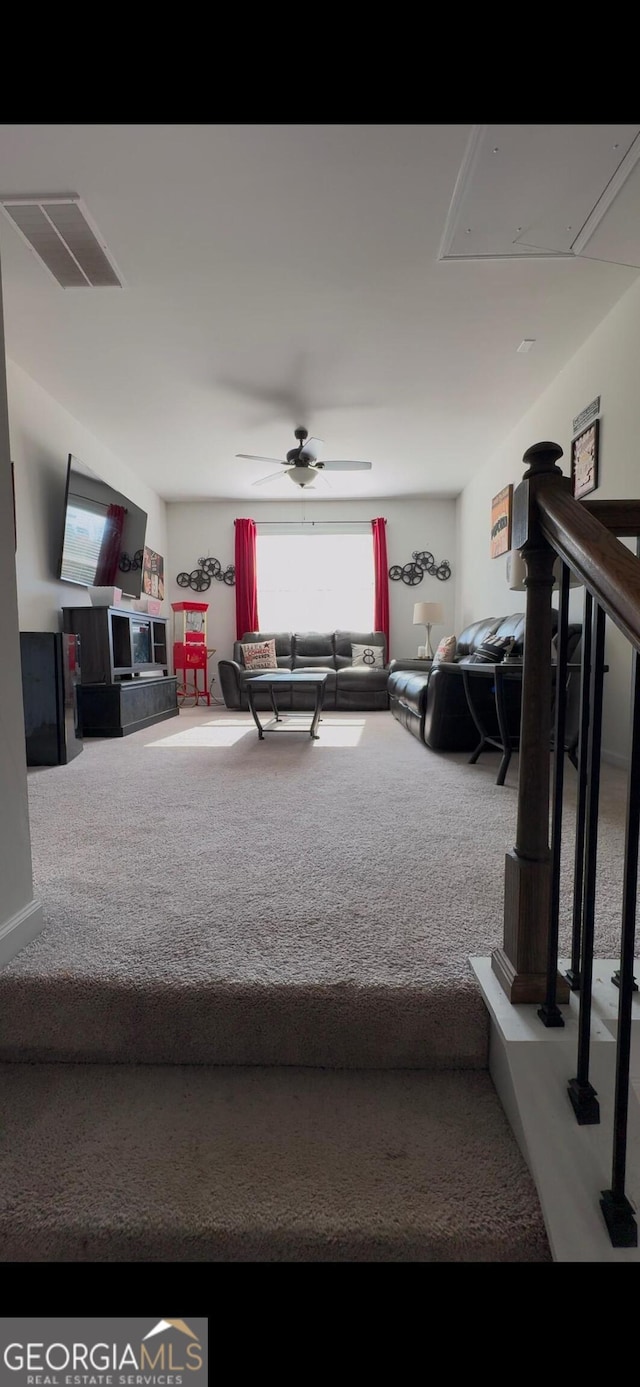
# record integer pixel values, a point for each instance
(433, 706)
(448, 724)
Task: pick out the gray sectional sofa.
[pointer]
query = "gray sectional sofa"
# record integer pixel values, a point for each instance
(360, 687)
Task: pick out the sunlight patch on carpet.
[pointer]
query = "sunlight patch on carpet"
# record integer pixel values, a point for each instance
(331, 733)
(221, 734)
(339, 734)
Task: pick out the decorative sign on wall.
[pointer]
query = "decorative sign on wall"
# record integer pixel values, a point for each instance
(586, 416)
(152, 574)
(501, 522)
(199, 580)
(421, 562)
(584, 460)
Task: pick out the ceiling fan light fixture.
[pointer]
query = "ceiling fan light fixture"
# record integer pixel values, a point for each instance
(302, 476)
(302, 463)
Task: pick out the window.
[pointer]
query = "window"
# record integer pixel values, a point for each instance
(83, 535)
(316, 578)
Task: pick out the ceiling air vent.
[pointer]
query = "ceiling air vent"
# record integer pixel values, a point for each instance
(61, 233)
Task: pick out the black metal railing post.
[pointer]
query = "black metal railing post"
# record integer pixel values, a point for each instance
(573, 973)
(616, 976)
(581, 1091)
(549, 1012)
(617, 1211)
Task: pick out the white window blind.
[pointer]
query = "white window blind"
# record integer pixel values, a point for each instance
(315, 577)
(83, 532)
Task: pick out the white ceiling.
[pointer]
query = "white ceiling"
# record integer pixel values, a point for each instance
(289, 274)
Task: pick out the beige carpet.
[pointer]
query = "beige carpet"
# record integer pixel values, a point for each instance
(214, 899)
(215, 904)
(126, 1163)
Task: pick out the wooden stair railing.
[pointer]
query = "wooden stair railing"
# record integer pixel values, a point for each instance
(548, 521)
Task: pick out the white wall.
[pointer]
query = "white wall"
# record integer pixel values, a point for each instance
(606, 365)
(42, 436)
(20, 915)
(206, 528)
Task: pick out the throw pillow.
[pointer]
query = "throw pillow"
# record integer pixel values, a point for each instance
(368, 655)
(260, 655)
(492, 651)
(446, 649)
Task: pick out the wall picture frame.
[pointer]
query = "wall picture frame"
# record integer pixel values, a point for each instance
(152, 574)
(585, 449)
(501, 522)
(13, 497)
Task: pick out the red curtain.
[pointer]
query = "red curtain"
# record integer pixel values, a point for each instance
(246, 578)
(381, 571)
(111, 548)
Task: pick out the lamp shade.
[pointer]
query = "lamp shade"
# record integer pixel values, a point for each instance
(517, 572)
(427, 613)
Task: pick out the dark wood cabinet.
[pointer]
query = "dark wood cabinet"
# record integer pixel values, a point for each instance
(128, 705)
(125, 684)
(118, 644)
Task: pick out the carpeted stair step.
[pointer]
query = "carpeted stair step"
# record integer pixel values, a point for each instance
(338, 1025)
(180, 1163)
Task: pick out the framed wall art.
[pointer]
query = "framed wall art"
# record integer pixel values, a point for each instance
(584, 460)
(501, 522)
(152, 574)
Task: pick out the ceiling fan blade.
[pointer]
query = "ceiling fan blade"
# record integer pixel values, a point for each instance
(311, 449)
(341, 466)
(270, 478)
(254, 457)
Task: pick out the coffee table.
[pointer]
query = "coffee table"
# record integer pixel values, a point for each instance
(284, 678)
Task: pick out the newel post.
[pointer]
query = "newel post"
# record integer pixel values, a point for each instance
(520, 964)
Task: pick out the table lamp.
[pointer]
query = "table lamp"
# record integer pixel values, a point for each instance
(517, 572)
(427, 614)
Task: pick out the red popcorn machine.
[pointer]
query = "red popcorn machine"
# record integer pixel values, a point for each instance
(190, 650)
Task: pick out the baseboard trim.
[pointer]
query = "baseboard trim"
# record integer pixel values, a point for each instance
(19, 930)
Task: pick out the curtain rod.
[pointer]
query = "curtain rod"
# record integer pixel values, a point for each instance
(78, 496)
(314, 522)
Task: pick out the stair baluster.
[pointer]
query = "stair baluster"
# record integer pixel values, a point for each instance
(550, 1013)
(617, 1211)
(581, 1090)
(573, 973)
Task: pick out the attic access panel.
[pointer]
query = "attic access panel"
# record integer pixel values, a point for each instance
(540, 190)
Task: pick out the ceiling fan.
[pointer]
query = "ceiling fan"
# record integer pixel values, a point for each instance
(302, 462)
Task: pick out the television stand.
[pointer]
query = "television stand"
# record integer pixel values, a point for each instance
(130, 705)
(118, 643)
(125, 681)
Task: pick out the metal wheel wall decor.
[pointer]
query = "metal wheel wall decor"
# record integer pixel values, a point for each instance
(199, 580)
(421, 562)
(127, 563)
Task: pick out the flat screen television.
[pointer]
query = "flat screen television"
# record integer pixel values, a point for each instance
(104, 533)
